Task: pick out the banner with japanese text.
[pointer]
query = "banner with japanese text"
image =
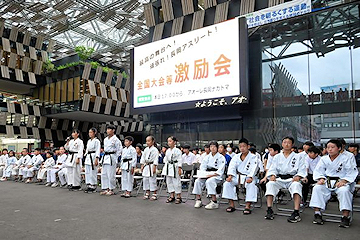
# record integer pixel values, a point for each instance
(197, 65)
(279, 12)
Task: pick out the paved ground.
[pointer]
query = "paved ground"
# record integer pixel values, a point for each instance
(36, 212)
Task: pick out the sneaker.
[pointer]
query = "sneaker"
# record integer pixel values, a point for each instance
(294, 218)
(345, 222)
(91, 190)
(63, 186)
(269, 214)
(212, 205)
(48, 184)
(54, 185)
(318, 219)
(198, 204)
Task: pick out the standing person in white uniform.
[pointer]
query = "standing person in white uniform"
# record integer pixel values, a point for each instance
(46, 166)
(112, 151)
(128, 164)
(35, 164)
(3, 159)
(20, 164)
(214, 163)
(286, 171)
(149, 161)
(246, 164)
(10, 163)
(75, 148)
(92, 156)
(173, 170)
(335, 172)
(58, 168)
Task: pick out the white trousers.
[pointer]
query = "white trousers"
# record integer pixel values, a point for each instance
(2, 170)
(41, 173)
(321, 195)
(30, 172)
(7, 171)
(63, 176)
(108, 177)
(273, 187)
(73, 176)
(173, 184)
(229, 190)
(210, 183)
(127, 180)
(91, 175)
(15, 171)
(51, 175)
(149, 183)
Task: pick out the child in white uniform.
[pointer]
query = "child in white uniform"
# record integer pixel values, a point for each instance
(128, 164)
(46, 166)
(20, 164)
(92, 156)
(10, 163)
(149, 161)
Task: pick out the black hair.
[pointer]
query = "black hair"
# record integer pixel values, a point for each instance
(230, 145)
(139, 146)
(308, 143)
(26, 149)
(94, 130)
(214, 143)
(110, 126)
(244, 140)
(165, 146)
(337, 142)
(51, 153)
(5, 149)
(186, 146)
(129, 138)
(173, 138)
(207, 146)
(221, 144)
(37, 149)
(355, 145)
(275, 146)
(290, 138)
(252, 150)
(152, 139)
(75, 130)
(314, 150)
(11, 151)
(342, 141)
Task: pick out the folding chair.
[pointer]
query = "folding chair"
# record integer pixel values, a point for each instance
(188, 181)
(160, 180)
(241, 192)
(285, 211)
(136, 179)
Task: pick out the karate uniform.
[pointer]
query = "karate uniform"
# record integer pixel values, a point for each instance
(171, 170)
(210, 162)
(57, 168)
(76, 150)
(247, 167)
(92, 152)
(293, 165)
(149, 159)
(36, 162)
(20, 164)
(112, 149)
(128, 161)
(310, 167)
(10, 163)
(343, 167)
(46, 167)
(3, 159)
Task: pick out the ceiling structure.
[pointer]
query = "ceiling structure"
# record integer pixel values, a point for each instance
(111, 27)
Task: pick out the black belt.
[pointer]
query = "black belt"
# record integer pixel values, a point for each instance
(167, 167)
(149, 164)
(329, 179)
(128, 161)
(211, 169)
(285, 176)
(108, 153)
(92, 164)
(72, 156)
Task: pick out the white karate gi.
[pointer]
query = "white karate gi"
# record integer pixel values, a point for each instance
(292, 165)
(36, 162)
(342, 167)
(76, 150)
(173, 161)
(248, 167)
(10, 163)
(127, 179)
(3, 159)
(20, 164)
(59, 166)
(149, 159)
(48, 164)
(218, 162)
(92, 152)
(109, 161)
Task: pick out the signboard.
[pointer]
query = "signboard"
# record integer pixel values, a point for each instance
(182, 71)
(279, 12)
(335, 88)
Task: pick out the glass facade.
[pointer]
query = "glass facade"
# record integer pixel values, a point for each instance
(304, 82)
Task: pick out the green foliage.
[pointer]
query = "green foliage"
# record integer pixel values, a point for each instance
(67, 65)
(84, 52)
(48, 66)
(124, 74)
